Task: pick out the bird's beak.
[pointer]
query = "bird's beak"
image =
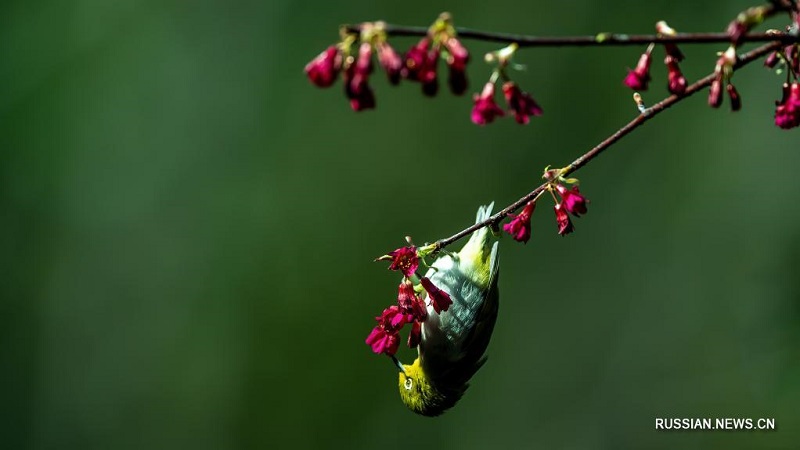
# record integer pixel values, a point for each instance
(398, 364)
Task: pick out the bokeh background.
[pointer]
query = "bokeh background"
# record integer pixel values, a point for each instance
(188, 227)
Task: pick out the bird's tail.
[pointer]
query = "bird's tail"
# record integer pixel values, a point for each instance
(478, 250)
(484, 212)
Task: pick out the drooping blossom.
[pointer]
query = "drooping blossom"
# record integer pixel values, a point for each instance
(428, 76)
(385, 337)
(323, 69)
(382, 340)
(563, 221)
(572, 199)
(390, 60)
(362, 98)
(521, 103)
(715, 93)
(457, 60)
(415, 59)
(638, 78)
(356, 80)
(772, 59)
(676, 82)
(440, 300)
(787, 111)
(419, 64)
(733, 95)
(394, 318)
(363, 65)
(670, 48)
(520, 226)
(410, 302)
(485, 109)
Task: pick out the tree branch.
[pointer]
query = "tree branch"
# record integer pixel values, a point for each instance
(603, 39)
(584, 159)
(598, 40)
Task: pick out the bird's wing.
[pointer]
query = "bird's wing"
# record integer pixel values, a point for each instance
(457, 338)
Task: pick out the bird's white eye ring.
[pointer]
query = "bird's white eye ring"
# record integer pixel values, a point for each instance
(408, 384)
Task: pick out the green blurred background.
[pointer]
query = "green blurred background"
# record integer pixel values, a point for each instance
(188, 229)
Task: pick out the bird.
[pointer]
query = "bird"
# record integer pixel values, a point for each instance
(453, 342)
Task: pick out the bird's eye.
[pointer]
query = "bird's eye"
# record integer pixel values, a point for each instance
(408, 384)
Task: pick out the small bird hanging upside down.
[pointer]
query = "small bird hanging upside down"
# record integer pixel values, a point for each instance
(453, 342)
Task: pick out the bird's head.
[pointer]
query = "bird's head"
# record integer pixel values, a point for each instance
(418, 392)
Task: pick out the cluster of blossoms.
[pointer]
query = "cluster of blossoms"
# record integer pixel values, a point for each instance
(639, 77)
(787, 110)
(521, 104)
(722, 74)
(411, 307)
(419, 64)
(571, 202)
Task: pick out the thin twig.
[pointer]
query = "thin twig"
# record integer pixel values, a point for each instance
(584, 159)
(601, 39)
(598, 40)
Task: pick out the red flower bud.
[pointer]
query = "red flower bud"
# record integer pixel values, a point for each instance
(787, 111)
(415, 335)
(733, 94)
(457, 60)
(440, 300)
(772, 60)
(409, 301)
(323, 69)
(459, 56)
(356, 77)
(485, 109)
(715, 93)
(420, 65)
(521, 103)
(572, 200)
(520, 227)
(357, 90)
(415, 59)
(427, 74)
(563, 221)
(638, 78)
(676, 81)
(390, 60)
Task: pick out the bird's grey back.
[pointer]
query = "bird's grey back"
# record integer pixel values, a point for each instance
(455, 341)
